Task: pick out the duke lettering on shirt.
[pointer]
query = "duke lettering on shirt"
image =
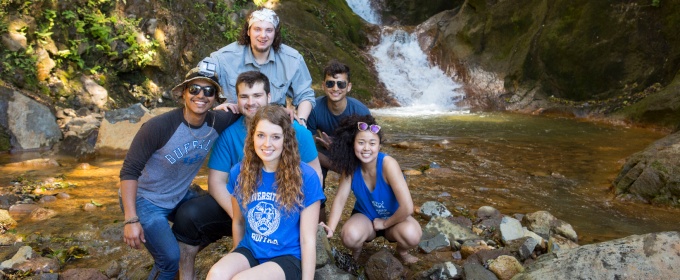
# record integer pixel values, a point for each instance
(184, 150)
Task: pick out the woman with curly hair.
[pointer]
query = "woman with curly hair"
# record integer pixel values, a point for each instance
(275, 200)
(383, 202)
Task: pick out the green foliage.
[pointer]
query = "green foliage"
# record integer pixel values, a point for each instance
(656, 3)
(20, 61)
(219, 18)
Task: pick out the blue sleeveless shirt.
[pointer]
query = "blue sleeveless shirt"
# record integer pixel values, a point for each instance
(381, 203)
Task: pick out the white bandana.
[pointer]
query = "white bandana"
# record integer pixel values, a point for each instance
(264, 15)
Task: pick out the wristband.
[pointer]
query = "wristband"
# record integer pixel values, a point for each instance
(132, 220)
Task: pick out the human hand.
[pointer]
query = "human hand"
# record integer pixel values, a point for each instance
(228, 107)
(325, 140)
(378, 224)
(329, 231)
(133, 235)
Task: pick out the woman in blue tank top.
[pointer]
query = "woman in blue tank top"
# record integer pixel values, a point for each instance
(383, 202)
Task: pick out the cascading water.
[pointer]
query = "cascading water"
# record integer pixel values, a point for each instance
(420, 87)
(364, 10)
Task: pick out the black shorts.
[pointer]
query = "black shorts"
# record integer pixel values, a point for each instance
(292, 266)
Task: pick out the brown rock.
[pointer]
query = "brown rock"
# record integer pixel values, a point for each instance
(384, 266)
(505, 267)
(83, 273)
(41, 214)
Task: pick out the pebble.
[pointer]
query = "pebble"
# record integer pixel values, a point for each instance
(89, 207)
(48, 199)
(63, 195)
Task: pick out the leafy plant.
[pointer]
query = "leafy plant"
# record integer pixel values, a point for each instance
(656, 3)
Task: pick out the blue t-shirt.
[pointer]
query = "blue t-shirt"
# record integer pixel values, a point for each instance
(270, 231)
(381, 203)
(228, 149)
(322, 118)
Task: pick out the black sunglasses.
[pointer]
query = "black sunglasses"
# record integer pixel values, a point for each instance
(208, 91)
(341, 84)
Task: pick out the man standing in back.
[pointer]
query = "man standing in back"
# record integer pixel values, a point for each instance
(329, 110)
(259, 48)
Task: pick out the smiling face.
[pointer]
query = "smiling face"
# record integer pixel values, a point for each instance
(261, 36)
(198, 104)
(335, 93)
(366, 146)
(251, 98)
(268, 142)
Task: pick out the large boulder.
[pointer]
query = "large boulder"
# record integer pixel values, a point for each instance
(649, 256)
(652, 175)
(30, 124)
(119, 127)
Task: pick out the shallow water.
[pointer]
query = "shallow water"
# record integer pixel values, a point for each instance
(516, 163)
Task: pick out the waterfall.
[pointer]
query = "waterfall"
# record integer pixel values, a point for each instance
(364, 10)
(403, 67)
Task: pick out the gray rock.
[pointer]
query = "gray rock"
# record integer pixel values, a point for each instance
(32, 125)
(96, 94)
(45, 276)
(451, 230)
(331, 272)
(560, 243)
(527, 248)
(511, 229)
(488, 212)
(431, 209)
(83, 273)
(47, 199)
(477, 272)
(649, 256)
(539, 222)
(434, 242)
(564, 229)
(324, 255)
(384, 266)
(447, 270)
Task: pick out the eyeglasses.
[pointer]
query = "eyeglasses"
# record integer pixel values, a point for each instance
(208, 91)
(341, 84)
(372, 128)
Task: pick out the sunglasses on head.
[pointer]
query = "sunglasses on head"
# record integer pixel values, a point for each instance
(372, 128)
(341, 84)
(208, 91)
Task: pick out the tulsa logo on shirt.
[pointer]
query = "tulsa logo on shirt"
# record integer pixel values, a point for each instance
(264, 218)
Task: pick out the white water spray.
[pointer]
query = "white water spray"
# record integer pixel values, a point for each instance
(420, 87)
(364, 10)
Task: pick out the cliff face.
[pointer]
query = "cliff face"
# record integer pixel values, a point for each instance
(582, 57)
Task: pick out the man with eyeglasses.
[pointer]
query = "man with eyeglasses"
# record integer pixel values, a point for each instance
(329, 110)
(206, 219)
(259, 48)
(160, 165)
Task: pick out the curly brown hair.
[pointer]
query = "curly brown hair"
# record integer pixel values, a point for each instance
(343, 143)
(288, 174)
(244, 39)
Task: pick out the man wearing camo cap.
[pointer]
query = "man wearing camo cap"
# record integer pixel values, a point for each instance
(259, 48)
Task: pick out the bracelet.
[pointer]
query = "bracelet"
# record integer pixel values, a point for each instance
(132, 220)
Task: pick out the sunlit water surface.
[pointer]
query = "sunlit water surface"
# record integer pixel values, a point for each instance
(516, 163)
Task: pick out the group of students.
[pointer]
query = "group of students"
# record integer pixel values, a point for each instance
(265, 170)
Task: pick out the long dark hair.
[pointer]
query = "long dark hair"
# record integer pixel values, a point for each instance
(244, 39)
(342, 150)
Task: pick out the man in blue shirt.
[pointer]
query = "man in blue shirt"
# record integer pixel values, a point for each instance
(329, 110)
(205, 219)
(259, 48)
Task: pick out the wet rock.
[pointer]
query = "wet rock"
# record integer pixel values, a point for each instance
(27, 260)
(84, 166)
(113, 269)
(39, 162)
(510, 229)
(83, 273)
(331, 272)
(559, 243)
(47, 199)
(478, 272)
(44, 64)
(119, 127)
(648, 256)
(45, 276)
(384, 266)
(6, 221)
(408, 145)
(324, 255)
(447, 270)
(488, 212)
(7, 239)
(539, 222)
(24, 253)
(564, 229)
(471, 247)
(505, 267)
(22, 209)
(440, 172)
(41, 214)
(7, 200)
(412, 172)
(63, 195)
(431, 209)
(652, 174)
(451, 230)
(89, 207)
(433, 241)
